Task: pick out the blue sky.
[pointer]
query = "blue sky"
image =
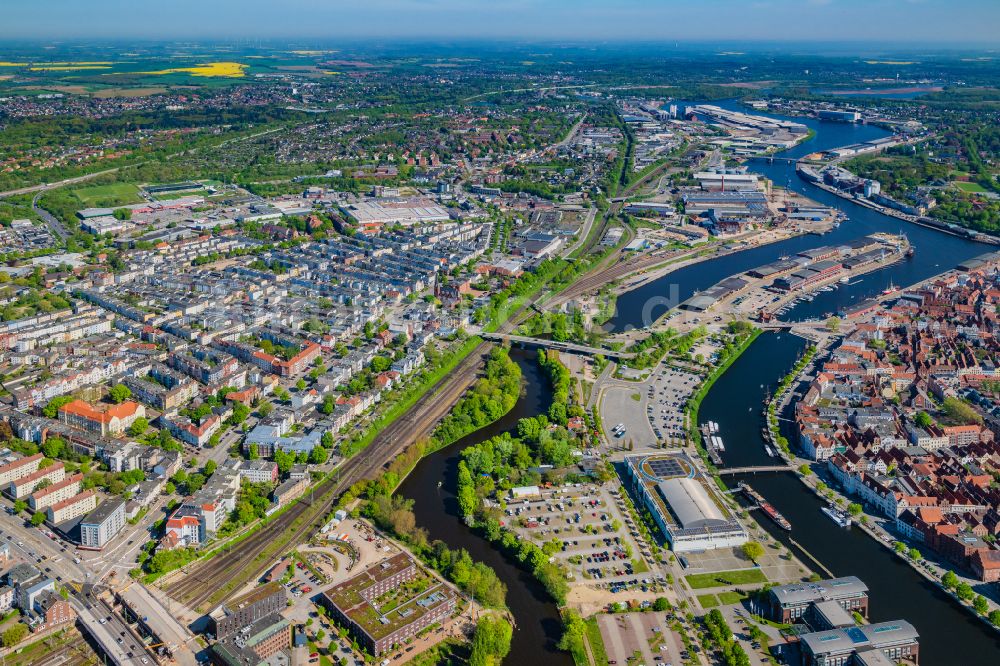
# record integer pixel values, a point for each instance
(913, 21)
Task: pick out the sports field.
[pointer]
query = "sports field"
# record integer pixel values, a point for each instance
(969, 186)
(115, 194)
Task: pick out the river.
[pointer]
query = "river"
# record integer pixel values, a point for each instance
(949, 635)
(537, 617)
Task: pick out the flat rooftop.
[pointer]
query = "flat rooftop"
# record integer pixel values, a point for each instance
(857, 639)
(397, 612)
(834, 588)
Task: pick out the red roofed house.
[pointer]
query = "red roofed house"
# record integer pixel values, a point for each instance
(111, 421)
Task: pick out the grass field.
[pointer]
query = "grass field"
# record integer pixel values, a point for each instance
(730, 598)
(969, 186)
(708, 600)
(116, 194)
(721, 578)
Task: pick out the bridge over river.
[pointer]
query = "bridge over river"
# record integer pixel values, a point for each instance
(553, 344)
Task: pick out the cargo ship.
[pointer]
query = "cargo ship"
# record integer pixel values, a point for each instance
(764, 506)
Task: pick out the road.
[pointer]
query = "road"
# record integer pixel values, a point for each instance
(581, 238)
(44, 187)
(57, 227)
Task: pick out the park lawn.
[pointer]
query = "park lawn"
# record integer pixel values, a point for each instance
(708, 600)
(730, 598)
(722, 578)
(103, 196)
(968, 186)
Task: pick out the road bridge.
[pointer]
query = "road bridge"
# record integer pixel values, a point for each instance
(553, 344)
(755, 468)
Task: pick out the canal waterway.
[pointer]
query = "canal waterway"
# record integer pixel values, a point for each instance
(949, 635)
(935, 251)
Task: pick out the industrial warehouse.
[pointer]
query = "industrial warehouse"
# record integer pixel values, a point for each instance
(689, 512)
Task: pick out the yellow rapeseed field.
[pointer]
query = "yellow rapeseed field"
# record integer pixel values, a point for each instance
(229, 69)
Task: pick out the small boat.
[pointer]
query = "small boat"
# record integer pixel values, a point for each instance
(837, 516)
(845, 280)
(439, 484)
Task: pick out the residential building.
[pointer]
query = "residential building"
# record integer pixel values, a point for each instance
(102, 524)
(233, 616)
(111, 421)
(72, 507)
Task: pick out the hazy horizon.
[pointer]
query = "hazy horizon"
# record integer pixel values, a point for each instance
(912, 23)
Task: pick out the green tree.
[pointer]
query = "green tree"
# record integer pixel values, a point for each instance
(240, 413)
(119, 393)
(752, 550)
(965, 591)
(833, 323)
(138, 427)
(922, 420)
(51, 410)
(960, 411)
(284, 460)
(914, 555)
(661, 604)
(854, 509)
(981, 605)
(264, 409)
(15, 634)
(20, 506)
(995, 617)
(949, 580)
(491, 641)
(54, 447)
(318, 455)
(38, 518)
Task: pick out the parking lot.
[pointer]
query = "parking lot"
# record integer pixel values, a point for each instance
(641, 638)
(667, 394)
(595, 539)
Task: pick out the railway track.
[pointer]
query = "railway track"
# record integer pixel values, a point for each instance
(212, 581)
(203, 581)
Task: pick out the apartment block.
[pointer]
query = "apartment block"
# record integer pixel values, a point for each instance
(72, 507)
(21, 488)
(57, 492)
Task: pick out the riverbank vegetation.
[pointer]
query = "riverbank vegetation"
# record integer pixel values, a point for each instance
(786, 382)
(743, 335)
(491, 397)
(491, 641)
